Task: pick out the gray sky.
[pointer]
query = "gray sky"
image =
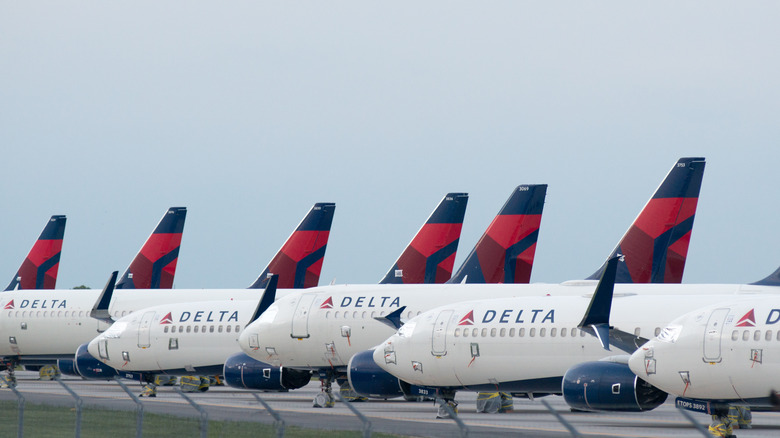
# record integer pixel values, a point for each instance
(248, 112)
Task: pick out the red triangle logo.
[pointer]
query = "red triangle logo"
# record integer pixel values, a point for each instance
(10, 305)
(167, 319)
(749, 320)
(468, 319)
(328, 304)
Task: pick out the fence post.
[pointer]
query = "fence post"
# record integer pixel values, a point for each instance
(695, 423)
(464, 430)
(139, 413)
(204, 416)
(561, 420)
(20, 401)
(278, 421)
(78, 404)
(361, 417)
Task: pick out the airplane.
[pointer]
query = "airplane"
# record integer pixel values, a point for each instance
(425, 259)
(323, 328)
(154, 267)
(717, 356)
(533, 346)
(36, 314)
(39, 269)
(299, 261)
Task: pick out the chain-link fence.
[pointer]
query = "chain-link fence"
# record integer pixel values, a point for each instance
(65, 406)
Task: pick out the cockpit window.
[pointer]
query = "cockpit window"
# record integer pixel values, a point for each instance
(670, 334)
(116, 329)
(268, 316)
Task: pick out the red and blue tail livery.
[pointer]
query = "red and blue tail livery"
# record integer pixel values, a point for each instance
(655, 247)
(505, 253)
(430, 256)
(155, 265)
(39, 269)
(299, 263)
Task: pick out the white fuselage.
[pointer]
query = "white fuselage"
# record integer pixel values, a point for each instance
(51, 324)
(325, 326)
(726, 351)
(175, 338)
(517, 342)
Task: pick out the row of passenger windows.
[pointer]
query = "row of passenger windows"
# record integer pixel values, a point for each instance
(768, 335)
(364, 314)
(532, 332)
(201, 328)
(57, 314)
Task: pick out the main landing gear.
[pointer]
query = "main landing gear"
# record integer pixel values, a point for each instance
(9, 380)
(447, 404)
(325, 398)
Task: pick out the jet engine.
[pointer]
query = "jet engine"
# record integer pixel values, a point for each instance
(89, 367)
(67, 366)
(242, 371)
(367, 379)
(609, 386)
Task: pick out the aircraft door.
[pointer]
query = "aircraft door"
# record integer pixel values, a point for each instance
(300, 322)
(712, 335)
(439, 335)
(143, 330)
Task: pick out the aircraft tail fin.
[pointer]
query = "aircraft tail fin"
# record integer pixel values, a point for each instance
(656, 245)
(154, 267)
(39, 269)
(505, 253)
(430, 256)
(772, 279)
(299, 262)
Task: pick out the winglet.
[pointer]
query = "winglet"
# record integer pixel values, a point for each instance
(430, 255)
(269, 295)
(100, 309)
(392, 319)
(299, 262)
(39, 269)
(656, 243)
(505, 253)
(597, 316)
(154, 267)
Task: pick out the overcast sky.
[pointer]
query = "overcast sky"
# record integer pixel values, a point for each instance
(249, 112)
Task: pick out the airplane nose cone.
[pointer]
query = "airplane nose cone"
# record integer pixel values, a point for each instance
(642, 361)
(92, 347)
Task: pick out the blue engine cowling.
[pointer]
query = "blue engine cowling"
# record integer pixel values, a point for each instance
(367, 379)
(68, 367)
(609, 386)
(89, 367)
(242, 371)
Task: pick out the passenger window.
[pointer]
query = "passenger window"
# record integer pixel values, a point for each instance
(757, 335)
(181, 329)
(735, 335)
(203, 329)
(211, 329)
(521, 332)
(745, 335)
(778, 335)
(573, 332)
(354, 315)
(768, 335)
(493, 333)
(196, 329)
(542, 332)
(532, 332)
(657, 331)
(189, 328)
(238, 328)
(512, 332)
(165, 330)
(503, 332)
(563, 332)
(553, 332)
(484, 332)
(327, 314)
(473, 333)
(364, 315)
(173, 329)
(582, 334)
(465, 333)
(219, 329)
(335, 315)
(227, 329)
(457, 332)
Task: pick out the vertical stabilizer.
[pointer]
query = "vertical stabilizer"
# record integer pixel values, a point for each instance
(299, 262)
(154, 267)
(39, 269)
(656, 245)
(505, 253)
(430, 256)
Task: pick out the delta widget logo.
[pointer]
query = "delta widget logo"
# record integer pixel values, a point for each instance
(8, 306)
(167, 319)
(328, 304)
(748, 320)
(468, 319)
